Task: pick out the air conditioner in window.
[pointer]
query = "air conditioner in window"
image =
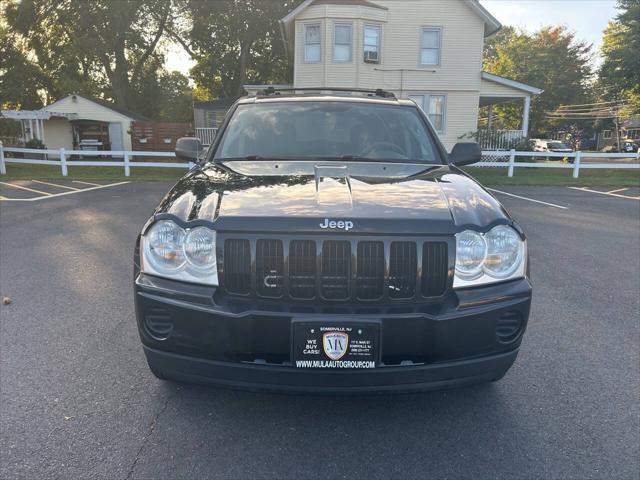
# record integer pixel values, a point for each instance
(371, 57)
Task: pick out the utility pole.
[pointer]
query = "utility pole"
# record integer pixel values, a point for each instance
(617, 131)
(616, 111)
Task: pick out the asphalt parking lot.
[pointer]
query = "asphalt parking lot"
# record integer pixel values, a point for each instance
(77, 399)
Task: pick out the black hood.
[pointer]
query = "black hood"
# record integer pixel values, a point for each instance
(267, 196)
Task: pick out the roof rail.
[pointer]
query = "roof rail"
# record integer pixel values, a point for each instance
(369, 92)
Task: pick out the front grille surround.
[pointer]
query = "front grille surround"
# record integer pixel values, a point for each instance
(336, 269)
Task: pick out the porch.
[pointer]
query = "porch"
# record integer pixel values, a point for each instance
(496, 90)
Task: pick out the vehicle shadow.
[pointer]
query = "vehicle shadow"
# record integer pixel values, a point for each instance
(457, 433)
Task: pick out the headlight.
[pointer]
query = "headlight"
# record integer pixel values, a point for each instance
(164, 245)
(504, 251)
(498, 255)
(200, 248)
(172, 252)
(471, 250)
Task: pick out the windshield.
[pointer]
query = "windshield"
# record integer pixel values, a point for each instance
(327, 130)
(557, 145)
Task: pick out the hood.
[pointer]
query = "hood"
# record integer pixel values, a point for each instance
(303, 196)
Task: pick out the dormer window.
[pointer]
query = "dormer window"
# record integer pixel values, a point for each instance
(342, 42)
(372, 43)
(430, 43)
(312, 43)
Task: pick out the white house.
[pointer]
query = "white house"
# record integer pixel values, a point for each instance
(426, 50)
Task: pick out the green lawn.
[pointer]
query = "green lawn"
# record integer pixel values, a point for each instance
(486, 176)
(541, 176)
(51, 172)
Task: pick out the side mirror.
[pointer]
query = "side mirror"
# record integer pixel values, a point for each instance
(465, 154)
(188, 148)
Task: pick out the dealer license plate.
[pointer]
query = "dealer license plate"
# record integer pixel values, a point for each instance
(335, 345)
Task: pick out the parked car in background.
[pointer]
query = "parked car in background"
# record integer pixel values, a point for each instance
(626, 146)
(629, 147)
(553, 146)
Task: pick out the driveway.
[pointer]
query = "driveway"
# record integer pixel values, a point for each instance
(77, 399)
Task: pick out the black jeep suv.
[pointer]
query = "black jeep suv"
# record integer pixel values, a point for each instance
(329, 243)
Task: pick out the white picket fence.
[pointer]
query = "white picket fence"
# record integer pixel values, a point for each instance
(61, 159)
(510, 160)
(128, 159)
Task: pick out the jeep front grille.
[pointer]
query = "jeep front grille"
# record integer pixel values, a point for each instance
(334, 269)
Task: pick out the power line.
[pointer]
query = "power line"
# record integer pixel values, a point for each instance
(590, 104)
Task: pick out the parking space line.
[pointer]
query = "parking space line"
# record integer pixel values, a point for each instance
(529, 199)
(87, 183)
(56, 185)
(585, 189)
(25, 188)
(618, 190)
(49, 195)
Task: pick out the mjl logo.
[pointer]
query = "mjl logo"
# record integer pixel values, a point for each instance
(342, 225)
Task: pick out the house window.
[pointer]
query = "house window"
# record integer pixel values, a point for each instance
(430, 46)
(342, 43)
(606, 134)
(312, 43)
(372, 44)
(435, 108)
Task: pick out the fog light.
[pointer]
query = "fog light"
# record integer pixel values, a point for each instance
(158, 323)
(509, 326)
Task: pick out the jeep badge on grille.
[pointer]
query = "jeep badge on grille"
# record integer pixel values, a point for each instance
(345, 225)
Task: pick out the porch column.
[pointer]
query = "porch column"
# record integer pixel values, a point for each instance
(489, 116)
(525, 116)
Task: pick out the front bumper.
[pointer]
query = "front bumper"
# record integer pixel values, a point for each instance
(456, 342)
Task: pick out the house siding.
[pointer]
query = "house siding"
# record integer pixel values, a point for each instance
(489, 89)
(458, 76)
(58, 133)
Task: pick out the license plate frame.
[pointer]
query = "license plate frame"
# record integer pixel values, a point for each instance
(363, 344)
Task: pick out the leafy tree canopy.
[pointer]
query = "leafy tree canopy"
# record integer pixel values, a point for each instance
(619, 76)
(551, 59)
(234, 42)
(95, 47)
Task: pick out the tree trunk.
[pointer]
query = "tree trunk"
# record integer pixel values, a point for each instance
(243, 62)
(120, 83)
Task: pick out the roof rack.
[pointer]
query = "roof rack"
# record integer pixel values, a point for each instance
(369, 92)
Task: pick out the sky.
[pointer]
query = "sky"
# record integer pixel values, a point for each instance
(587, 18)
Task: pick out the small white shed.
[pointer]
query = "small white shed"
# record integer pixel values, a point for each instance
(96, 125)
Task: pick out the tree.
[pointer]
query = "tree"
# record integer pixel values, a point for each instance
(96, 47)
(20, 78)
(619, 75)
(234, 42)
(551, 59)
